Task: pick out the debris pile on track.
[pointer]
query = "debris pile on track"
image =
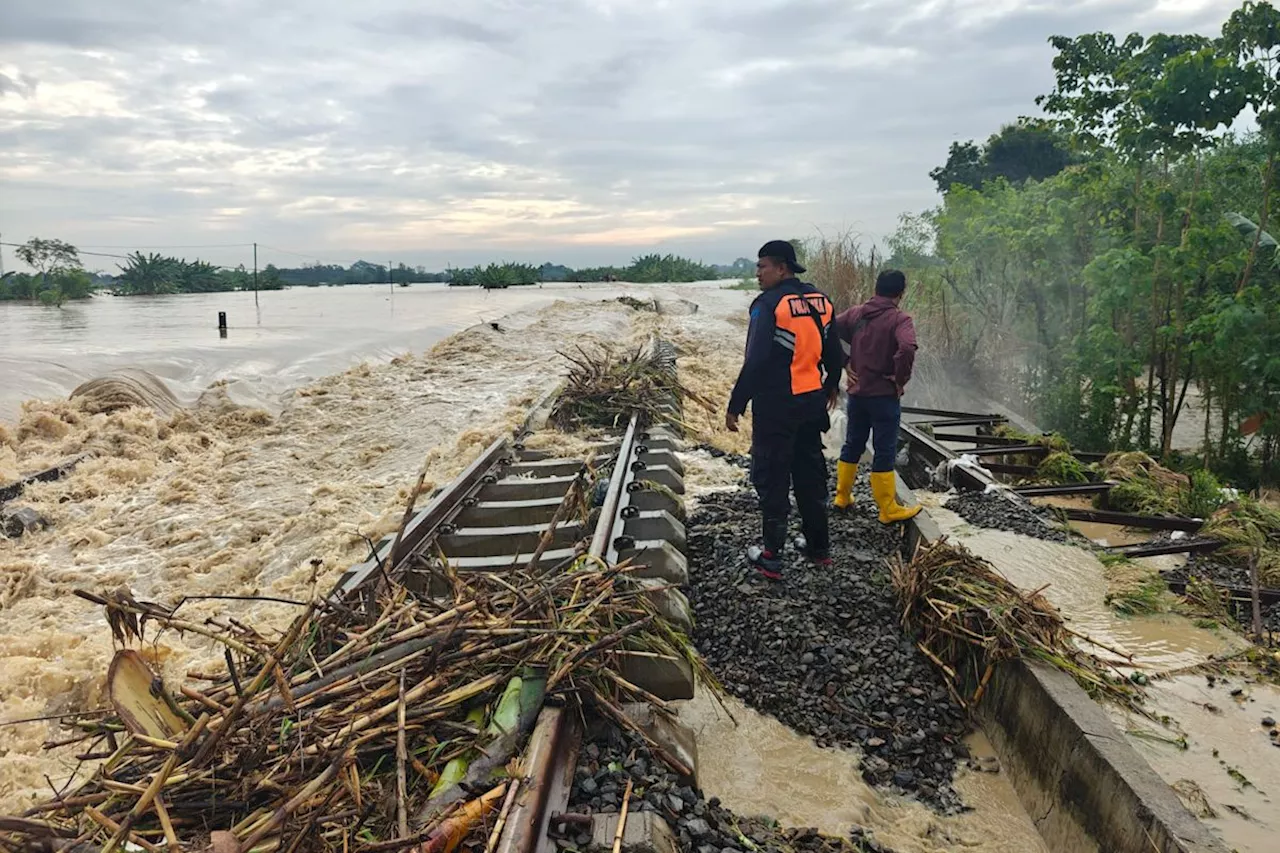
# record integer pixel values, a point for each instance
(1142, 484)
(997, 512)
(1251, 531)
(823, 651)
(967, 618)
(401, 719)
(606, 385)
(613, 762)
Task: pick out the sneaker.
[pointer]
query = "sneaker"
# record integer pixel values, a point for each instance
(766, 562)
(821, 560)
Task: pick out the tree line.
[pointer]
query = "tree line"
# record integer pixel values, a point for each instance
(59, 275)
(1108, 266)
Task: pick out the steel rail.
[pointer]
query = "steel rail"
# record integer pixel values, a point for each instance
(556, 738)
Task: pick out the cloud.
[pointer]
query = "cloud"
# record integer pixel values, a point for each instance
(584, 130)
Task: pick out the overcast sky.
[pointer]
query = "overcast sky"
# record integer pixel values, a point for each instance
(580, 131)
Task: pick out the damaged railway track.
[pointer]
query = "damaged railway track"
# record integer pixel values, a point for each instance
(556, 575)
(620, 504)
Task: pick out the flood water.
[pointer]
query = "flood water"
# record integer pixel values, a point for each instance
(288, 338)
(756, 765)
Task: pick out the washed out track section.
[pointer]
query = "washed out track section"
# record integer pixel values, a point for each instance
(823, 652)
(516, 506)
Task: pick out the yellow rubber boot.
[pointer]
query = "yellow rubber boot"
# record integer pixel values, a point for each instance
(846, 473)
(884, 488)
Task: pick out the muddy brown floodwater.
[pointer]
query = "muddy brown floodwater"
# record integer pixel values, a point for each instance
(757, 765)
(1229, 769)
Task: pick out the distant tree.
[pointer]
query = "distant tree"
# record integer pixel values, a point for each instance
(47, 256)
(662, 268)
(554, 272)
(73, 284)
(964, 166)
(148, 275)
(198, 277)
(269, 279)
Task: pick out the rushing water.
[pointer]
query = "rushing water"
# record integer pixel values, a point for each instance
(288, 338)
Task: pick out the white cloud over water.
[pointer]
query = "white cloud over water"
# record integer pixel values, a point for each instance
(577, 130)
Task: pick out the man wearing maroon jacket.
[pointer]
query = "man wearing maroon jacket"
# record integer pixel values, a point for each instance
(880, 341)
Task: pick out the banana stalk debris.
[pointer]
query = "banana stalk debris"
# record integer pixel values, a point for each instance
(397, 727)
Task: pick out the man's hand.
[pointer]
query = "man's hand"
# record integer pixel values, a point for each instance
(901, 391)
(731, 422)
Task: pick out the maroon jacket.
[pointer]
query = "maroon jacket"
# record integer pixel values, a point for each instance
(880, 343)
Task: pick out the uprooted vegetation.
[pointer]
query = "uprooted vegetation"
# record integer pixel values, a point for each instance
(967, 618)
(401, 721)
(606, 385)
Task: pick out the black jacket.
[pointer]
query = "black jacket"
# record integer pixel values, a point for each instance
(792, 348)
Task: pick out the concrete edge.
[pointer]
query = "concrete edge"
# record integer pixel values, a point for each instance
(1074, 772)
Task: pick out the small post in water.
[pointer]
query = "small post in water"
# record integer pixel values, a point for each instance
(222, 324)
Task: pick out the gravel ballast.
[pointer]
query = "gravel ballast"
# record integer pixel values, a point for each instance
(997, 512)
(822, 651)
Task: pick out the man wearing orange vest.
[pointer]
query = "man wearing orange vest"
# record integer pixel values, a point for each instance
(880, 340)
(790, 376)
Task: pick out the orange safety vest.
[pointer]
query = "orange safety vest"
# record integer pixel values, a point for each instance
(796, 328)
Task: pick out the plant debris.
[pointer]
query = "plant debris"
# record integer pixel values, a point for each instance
(1251, 531)
(965, 614)
(355, 726)
(605, 387)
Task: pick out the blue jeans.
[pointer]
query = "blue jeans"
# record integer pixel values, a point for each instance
(876, 418)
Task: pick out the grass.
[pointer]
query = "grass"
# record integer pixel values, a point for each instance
(1052, 441)
(1250, 531)
(1134, 590)
(1062, 467)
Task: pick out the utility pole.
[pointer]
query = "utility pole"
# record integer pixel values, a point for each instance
(391, 282)
(1, 256)
(255, 275)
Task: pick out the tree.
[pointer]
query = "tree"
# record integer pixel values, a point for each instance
(1025, 150)
(148, 275)
(47, 256)
(964, 167)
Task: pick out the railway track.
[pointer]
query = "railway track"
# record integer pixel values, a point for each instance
(515, 507)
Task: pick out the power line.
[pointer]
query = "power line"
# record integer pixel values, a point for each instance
(187, 246)
(95, 254)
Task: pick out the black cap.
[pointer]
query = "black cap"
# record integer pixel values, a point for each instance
(783, 250)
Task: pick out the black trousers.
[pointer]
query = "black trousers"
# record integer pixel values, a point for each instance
(786, 454)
